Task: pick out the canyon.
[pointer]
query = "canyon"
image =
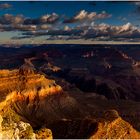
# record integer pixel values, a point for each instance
(74, 92)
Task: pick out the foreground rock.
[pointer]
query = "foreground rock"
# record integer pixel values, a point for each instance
(117, 129)
(112, 126)
(13, 130)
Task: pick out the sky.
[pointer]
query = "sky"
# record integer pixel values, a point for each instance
(69, 21)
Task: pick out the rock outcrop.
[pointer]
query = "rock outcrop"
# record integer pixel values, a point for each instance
(11, 127)
(15, 130)
(38, 99)
(115, 129)
(118, 129)
(44, 133)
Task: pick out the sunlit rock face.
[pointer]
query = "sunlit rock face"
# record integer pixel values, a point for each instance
(112, 126)
(36, 98)
(18, 85)
(117, 129)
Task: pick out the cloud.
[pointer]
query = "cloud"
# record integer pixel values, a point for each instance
(10, 19)
(25, 27)
(104, 32)
(52, 27)
(5, 6)
(9, 22)
(86, 16)
(45, 19)
(126, 31)
(124, 19)
(20, 19)
(55, 32)
(49, 18)
(44, 22)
